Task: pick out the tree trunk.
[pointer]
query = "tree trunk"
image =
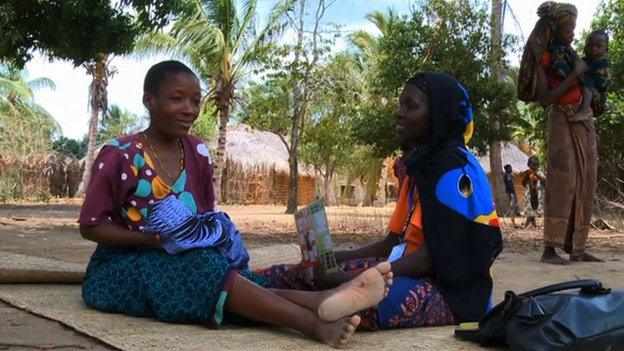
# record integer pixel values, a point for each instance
(98, 103)
(496, 167)
(223, 106)
(293, 161)
(327, 188)
(90, 156)
(381, 184)
(371, 182)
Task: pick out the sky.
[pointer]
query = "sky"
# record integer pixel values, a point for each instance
(68, 103)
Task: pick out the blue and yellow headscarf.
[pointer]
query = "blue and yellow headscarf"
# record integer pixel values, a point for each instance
(459, 219)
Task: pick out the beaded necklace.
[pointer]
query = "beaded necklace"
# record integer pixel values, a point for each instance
(172, 179)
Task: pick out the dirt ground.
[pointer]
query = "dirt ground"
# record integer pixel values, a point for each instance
(50, 230)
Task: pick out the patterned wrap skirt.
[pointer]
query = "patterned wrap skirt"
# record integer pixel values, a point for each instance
(190, 287)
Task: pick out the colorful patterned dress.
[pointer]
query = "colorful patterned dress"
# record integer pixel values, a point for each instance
(410, 303)
(190, 287)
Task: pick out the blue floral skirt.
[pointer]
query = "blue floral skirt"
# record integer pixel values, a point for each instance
(190, 287)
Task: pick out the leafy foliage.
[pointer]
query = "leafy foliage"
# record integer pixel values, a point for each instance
(206, 126)
(76, 30)
(451, 37)
(118, 122)
(610, 126)
(25, 127)
(72, 147)
(327, 142)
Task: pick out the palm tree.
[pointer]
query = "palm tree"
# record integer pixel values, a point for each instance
(221, 42)
(528, 130)
(99, 70)
(368, 44)
(117, 122)
(25, 126)
(373, 176)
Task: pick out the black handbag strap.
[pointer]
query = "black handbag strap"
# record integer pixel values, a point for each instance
(589, 285)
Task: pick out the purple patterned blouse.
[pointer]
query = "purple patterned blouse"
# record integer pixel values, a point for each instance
(124, 183)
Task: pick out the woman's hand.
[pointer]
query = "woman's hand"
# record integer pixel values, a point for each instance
(579, 67)
(155, 242)
(341, 256)
(329, 280)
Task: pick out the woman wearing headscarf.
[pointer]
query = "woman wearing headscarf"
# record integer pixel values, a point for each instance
(443, 235)
(549, 73)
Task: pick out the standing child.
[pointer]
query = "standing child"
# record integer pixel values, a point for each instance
(597, 77)
(510, 189)
(533, 182)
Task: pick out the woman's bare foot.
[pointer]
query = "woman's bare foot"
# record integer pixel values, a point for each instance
(337, 334)
(385, 269)
(363, 291)
(550, 256)
(585, 257)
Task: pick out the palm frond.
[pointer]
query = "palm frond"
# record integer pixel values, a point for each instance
(247, 28)
(382, 20)
(222, 14)
(365, 42)
(17, 88)
(157, 42)
(271, 29)
(201, 37)
(41, 83)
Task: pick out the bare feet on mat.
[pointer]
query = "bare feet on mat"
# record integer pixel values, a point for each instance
(550, 256)
(585, 257)
(338, 333)
(363, 291)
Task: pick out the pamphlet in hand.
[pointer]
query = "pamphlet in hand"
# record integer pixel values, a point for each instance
(314, 239)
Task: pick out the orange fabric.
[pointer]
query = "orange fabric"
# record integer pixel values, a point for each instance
(414, 236)
(574, 93)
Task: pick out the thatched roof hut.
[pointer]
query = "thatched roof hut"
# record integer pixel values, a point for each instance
(257, 171)
(510, 154)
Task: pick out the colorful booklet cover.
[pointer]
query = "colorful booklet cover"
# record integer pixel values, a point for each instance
(314, 239)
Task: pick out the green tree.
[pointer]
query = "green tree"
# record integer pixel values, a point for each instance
(206, 125)
(375, 115)
(222, 43)
(528, 131)
(327, 141)
(117, 122)
(78, 31)
(25, 126)
(452, 37)
(89, 33)
(71, 147)
(610, 126)
(293, 71)
(496, 67)
(368, 44)
(268, 106)
(100, 71)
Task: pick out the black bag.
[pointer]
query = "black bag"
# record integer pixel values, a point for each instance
(589, 319)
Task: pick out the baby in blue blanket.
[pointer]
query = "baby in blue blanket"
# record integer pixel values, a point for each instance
(181, 230)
